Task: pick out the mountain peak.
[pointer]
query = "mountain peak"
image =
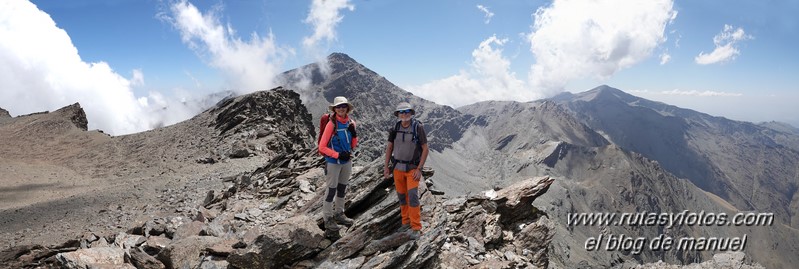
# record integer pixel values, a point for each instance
(4, 113)
(340, 57)
(75, 114)
(604, 92)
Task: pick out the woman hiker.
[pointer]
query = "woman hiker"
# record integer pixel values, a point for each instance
(405, 156)
(337, 142)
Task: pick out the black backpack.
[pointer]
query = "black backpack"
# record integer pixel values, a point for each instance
(417, 153)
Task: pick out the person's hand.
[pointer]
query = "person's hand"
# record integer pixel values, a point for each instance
(352, 130)
(344, 156)
(417, 174)
(386, 173)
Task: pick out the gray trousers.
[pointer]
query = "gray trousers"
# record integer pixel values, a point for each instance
(338, 175)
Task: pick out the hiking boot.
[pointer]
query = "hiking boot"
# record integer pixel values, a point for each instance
(404, 228)
(332, 235)
(343, 220)
(330, 225)
(414, 234)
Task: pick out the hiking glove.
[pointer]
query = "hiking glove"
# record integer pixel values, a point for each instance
(344, 156)
(352, 130)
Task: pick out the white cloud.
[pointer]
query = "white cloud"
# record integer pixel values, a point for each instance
(137, 78)
(249, 65)
(488, 13)
(726, 49)
(40, 69)
(574, 39)
(488, 78)
(324, 16)
(700, 93)
(678, 92)
(665, 58)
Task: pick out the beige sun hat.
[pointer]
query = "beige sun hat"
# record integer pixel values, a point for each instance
(404, 106)
(338, 101)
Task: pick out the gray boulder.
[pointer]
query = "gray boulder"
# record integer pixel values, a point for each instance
(292, 240)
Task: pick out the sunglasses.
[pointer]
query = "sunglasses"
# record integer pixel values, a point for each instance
(404, 111)
(342, 106)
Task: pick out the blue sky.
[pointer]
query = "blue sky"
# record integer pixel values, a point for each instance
(124, 60)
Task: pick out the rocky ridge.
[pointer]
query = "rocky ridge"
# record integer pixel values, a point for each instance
(375, 99)
(4, 113)
(269, 215)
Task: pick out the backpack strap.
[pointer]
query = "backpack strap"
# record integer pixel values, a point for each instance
(414, 138)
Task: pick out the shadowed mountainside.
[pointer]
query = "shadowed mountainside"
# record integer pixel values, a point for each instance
(751, 166)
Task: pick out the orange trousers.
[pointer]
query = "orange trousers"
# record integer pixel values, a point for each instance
(408, 194)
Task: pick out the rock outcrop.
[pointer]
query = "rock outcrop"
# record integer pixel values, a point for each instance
(4, 113)
(720, 260)
(271, 217)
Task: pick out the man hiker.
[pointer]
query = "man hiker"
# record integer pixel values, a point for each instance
(337, 142)
(405, 156)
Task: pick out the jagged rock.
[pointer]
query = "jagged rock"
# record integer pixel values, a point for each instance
(102, 242)
(4, 113)
(91, 257)
(536, 237)
(125, 241)
(210, 263)
(189, 229)
(239, 149)
(155, 244)
(251, 112)
(142, 260)
(291, 240)
(223, 248)
(353, 263)
(720, 260)
(392, 259)
(76, 115)
(186, 252)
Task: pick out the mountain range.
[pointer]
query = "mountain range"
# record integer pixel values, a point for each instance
(607, 151)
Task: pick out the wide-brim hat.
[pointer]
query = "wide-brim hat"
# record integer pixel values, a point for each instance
(404, 106)
(338, 101)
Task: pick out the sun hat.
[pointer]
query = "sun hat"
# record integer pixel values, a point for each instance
(404, 106)
(338, 101)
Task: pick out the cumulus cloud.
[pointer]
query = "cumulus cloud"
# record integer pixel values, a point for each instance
(40, 69)
(324, 17)
(726, 49)
(488, 78)
(138, 78)
(249, 65)
(665, 58)
(700, 93)
(574, 39)
(678, 92)
(488, 13)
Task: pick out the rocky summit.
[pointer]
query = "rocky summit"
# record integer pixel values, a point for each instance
(240, 184)
(270, 216)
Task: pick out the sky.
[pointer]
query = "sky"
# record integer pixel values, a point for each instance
(134, 65)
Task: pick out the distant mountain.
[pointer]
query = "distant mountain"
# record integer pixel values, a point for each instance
(780, 126)
(611, 151)
(607, 152)
(374, 98)
(751, 166)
